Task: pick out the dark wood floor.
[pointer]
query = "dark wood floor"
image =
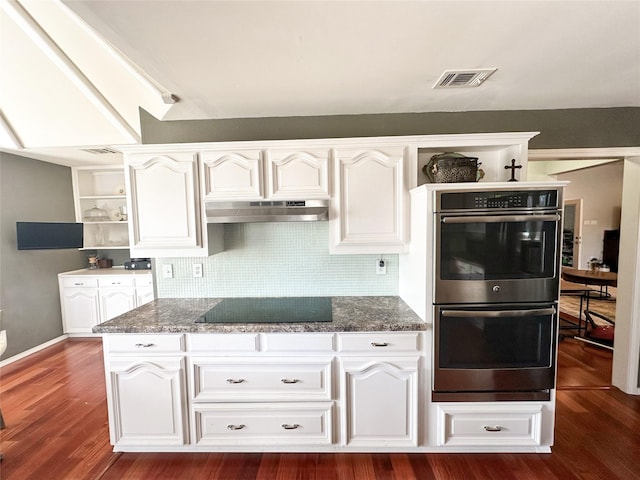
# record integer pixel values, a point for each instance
(55, 409)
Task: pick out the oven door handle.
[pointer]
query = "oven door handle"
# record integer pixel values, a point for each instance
(502, 218)
(498, 313)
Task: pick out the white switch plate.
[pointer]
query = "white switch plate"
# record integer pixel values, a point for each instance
(381, 267)
(197, 270)
(167, 270)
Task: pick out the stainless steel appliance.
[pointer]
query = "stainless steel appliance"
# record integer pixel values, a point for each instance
(497, 246)
(270, 310)
(268, 211)
(494, 352)
(138, 264)
(495, 294)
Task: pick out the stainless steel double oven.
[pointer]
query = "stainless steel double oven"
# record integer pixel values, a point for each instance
(496, 293)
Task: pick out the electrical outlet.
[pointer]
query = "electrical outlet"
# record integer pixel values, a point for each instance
(381, 267)
(167, 270)
(197, 270)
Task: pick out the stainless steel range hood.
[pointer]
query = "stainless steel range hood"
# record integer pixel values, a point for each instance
(284, 211)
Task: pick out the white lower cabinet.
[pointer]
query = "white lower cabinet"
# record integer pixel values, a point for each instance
(146, 389)
(80, 308)
(261, 399)
(117, 296)
(290, 423)
(480, 424)
(261, 379)
(300, 392)
(89, 299)
(380, 401)
(147, 401)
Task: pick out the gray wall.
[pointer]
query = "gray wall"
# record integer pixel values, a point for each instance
(573, 128)
(36, 191)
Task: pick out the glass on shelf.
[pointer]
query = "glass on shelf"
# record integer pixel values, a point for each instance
(95, 214)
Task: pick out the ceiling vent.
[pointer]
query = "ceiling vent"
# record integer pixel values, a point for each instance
(464, 78)
(99, 151)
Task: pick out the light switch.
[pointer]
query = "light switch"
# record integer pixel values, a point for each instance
(197, 270)
(167, 270)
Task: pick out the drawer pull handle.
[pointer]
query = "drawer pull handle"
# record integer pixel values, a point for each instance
(235, 380)
(235, 427)
(290, 380)
(78, 283)
(145, 345)
(379, 344)
(287, 426)
(497, 428)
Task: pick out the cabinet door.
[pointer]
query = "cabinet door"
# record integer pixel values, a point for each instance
(80, 311)
(232, 176)
(165, 206)
(368, 214)
(147, 401)
(381, 401)
(143, 295)
(116, 301)
(298, 175)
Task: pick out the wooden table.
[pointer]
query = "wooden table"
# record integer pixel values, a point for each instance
(577, 282)
(577, 290)
(590, 277)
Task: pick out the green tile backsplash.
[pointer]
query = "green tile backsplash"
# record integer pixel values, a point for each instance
(277, 259)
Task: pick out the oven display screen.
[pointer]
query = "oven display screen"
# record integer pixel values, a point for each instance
(499, 200)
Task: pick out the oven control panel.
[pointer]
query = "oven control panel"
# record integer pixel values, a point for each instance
(500, 199)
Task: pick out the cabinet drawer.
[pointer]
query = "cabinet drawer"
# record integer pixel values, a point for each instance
(226, 342)
(261, 379)
(79, 282)
(489, 425)
(383, 342)
(143, 343)
(298, 342)
(115, 281)
(263, 423)
(143, 281)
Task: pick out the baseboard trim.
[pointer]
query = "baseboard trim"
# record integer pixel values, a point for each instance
(33, 350)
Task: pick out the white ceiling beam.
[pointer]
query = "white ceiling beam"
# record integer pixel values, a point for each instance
(8, 136)
(134, 70)
(41, 39)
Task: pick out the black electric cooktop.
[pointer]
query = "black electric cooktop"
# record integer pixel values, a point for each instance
(270, 310)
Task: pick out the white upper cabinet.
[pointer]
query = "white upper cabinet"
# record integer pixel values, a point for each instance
(368, 210)
(298, 174)
(276, 174)
(166, 211)
(233, 175)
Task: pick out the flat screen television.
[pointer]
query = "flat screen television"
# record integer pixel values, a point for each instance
(48, 235)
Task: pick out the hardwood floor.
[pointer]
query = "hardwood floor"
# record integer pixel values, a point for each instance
(55, 409)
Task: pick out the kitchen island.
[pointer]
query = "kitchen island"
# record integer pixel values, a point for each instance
(360, 382)
(350, 314)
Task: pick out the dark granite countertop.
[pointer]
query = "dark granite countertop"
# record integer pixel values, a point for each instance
(350, 314)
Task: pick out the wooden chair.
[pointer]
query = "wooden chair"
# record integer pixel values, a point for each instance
(598, 333)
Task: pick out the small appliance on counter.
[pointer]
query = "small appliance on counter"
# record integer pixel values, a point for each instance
(138, 264)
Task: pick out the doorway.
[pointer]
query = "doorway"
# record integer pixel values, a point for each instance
(572, 234)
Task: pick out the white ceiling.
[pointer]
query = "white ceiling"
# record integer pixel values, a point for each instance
(238, 59)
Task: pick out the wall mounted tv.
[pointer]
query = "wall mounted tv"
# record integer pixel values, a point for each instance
(48, 235)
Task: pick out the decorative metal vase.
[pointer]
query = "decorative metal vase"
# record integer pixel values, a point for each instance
(450, 167)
